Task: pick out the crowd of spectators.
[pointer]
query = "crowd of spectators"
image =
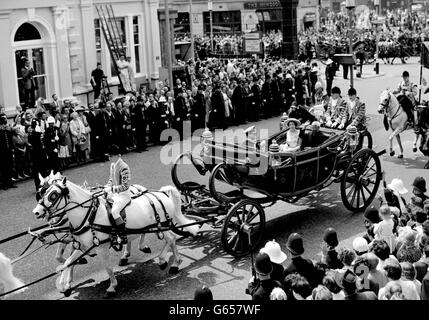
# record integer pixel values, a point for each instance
(388, 262)
(216, 93)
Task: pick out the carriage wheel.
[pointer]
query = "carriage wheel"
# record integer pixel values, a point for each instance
(365, 140)
(243, 228)
(221, 184)
(188, 185)
(361, 180)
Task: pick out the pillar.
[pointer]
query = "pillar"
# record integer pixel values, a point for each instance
(290, 47)
(9, 96)
(155, 43)
(88, 38)
(62, 52)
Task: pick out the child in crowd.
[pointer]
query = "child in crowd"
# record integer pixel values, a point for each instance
(384, 230)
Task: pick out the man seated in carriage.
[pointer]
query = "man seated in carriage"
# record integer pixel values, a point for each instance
(336, 110)
(356, 111)
(406, 95)
(311, 136)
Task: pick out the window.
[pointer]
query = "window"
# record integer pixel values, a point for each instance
(27, 32)
(182, 26)
(137, 44)
(116, 39)
(97, 40)
(269, 20)
(223, 22)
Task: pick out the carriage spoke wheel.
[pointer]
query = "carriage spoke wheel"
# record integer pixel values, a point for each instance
(176, 172)
(361, 180)
(221, 184)
(243, 228)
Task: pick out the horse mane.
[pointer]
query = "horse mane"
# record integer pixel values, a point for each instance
(78, 188)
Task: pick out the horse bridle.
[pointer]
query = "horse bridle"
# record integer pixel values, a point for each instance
(60, 212)
(386, 105)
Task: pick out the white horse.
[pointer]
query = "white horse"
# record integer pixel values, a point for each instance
(47, 181)
(397, 120)
(7, 278)
(64, 198)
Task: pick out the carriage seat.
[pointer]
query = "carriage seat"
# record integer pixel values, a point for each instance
(310, 141)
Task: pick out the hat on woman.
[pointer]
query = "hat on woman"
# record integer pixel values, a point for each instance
(420, 184)
(360, 246)
(330, 237)
(50, 119)
(295, 244)
(273, 250)
(263, 264)
(397, 185)
(297, 122)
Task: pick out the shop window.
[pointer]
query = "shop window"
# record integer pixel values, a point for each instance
(223, 22)
(182, 26)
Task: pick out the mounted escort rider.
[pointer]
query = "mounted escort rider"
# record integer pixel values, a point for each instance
(117, 191)
(407, 89)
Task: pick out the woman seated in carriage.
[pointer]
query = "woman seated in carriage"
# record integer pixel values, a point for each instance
(293, 139)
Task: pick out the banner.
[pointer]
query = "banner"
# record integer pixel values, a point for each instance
(425, 55)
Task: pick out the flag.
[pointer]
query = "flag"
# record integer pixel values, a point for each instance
(425, 55)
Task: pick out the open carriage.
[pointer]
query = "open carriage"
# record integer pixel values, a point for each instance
(246, 178)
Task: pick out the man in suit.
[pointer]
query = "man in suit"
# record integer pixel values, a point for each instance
(55, 104)
(139, 124)
(6, 152)
(91, 115)
(96, 80)
(29, 86)
(267, 97)
(311, 136)
(198, 112)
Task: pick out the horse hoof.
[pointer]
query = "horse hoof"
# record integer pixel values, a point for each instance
(163, 266)
(173, 270)
(146, 250)
(67, 293)
(109, 294)
(400, 156)
(392, 153)
(414, 149)
(123, 262)
(83, 261)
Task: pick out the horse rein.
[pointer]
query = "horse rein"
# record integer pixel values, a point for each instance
(386, 105)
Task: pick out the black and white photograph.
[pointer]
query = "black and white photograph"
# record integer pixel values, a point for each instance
(219, 153)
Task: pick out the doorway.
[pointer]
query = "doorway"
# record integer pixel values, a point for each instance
(35, 56)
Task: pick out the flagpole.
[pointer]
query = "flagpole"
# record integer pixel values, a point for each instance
(421, 71)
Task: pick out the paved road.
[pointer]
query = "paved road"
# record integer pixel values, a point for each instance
(204, 261)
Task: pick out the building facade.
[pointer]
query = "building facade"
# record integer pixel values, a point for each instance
(63, 41)
(237, 16)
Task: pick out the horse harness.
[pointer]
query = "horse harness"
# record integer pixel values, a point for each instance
(91, 215)
(386, 107)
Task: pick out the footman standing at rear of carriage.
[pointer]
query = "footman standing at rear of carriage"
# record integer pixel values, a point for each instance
(357, 110)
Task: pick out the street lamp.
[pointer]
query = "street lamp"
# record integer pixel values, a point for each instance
(350, 5)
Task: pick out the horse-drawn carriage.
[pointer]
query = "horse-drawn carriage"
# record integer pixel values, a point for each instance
(246, 178)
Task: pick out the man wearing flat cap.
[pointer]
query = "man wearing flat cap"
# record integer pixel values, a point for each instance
(261, 287)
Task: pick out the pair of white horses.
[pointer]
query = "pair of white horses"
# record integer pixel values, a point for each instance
(60, 201)
(397, 120)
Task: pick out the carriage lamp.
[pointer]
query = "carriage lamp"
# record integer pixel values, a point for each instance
(206, 139)
(282, 120)
(352, 136)
(275, 157)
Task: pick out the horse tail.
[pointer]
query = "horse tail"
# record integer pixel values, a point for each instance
(9, 281)
(175, 195)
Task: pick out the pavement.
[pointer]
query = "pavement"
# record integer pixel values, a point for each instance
(204, 261)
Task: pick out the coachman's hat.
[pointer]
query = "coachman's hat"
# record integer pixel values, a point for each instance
(330, 237)
(420, 184)
(295, 244)
(263, 264)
